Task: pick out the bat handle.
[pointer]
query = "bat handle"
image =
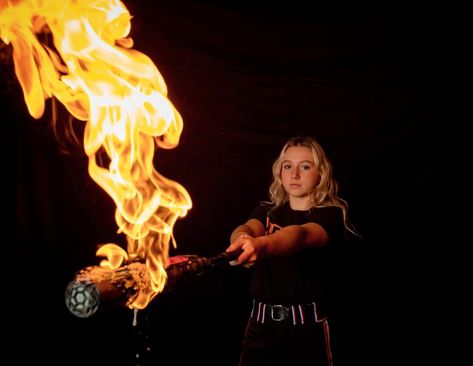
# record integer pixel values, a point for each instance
(234, 254)
(225, 257)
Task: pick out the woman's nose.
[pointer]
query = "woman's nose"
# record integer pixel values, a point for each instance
(295, 173)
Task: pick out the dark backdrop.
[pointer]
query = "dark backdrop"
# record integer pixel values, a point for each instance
(389, 98)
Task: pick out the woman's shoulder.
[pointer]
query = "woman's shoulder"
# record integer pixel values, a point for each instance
(264, 205)
(261, 210)
(330, 208)
(334, 212)
(331, 219)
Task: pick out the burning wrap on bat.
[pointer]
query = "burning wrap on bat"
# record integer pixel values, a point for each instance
(96, 287)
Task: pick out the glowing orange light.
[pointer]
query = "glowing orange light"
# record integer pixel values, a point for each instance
(92, 69)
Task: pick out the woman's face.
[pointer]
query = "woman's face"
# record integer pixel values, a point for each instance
(299, 174)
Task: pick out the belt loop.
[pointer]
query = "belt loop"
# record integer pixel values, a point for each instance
(264, 313)
(315, 312)
(301, 314)
(252, 309)
(293, 313)
(259, 311)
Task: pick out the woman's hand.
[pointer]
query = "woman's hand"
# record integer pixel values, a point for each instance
(249, 247)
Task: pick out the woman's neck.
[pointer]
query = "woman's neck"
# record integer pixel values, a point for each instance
(299, 203)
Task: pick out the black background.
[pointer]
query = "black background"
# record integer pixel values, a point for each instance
(389, 97)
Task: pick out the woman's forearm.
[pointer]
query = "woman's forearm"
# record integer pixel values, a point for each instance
(291, 239)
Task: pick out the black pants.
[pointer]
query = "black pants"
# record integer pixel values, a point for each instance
(278, 343)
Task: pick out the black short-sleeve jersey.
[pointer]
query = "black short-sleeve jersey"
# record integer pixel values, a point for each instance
(301, 277)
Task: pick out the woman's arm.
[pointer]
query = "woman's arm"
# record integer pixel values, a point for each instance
(287, 240)
(252, 228)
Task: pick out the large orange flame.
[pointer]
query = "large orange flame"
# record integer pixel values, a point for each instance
(92, 69)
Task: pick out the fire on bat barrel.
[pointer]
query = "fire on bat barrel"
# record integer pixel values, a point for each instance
(96, 287)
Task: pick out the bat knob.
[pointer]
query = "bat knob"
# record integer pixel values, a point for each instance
(82, 298)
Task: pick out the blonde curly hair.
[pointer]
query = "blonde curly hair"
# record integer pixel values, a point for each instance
(326, 191)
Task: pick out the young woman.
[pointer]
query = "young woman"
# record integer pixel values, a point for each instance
(290, 243)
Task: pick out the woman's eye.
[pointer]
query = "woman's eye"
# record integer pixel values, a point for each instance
(286, 166)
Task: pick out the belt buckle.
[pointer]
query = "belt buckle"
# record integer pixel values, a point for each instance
(279, 313)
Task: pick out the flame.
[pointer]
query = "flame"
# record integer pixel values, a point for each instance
(90, 66)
